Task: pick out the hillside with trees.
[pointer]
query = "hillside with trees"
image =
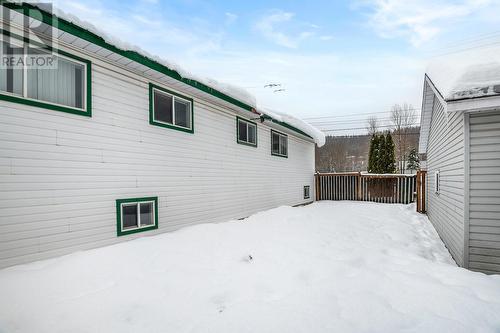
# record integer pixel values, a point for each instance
(350, 152)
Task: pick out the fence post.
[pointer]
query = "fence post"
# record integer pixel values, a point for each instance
(360, 190)
(424, 181)
(316, 185)
(419, 195)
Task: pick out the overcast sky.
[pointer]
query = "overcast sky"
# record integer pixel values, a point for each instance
(332, 58)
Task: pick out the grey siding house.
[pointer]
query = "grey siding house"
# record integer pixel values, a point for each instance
(460, 140)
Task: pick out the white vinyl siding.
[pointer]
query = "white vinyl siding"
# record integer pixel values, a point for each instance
(61, 174)
(445, 152)
(484, 192)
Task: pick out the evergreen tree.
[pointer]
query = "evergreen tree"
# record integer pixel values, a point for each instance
(380, 159)
(389, 154)
(371, 154)
(413, 161)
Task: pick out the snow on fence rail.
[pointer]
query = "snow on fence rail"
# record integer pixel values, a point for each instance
(385, 188)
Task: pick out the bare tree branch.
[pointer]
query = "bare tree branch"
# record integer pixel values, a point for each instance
(402, 118)
(372, 125)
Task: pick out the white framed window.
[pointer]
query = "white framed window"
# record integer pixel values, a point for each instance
(135, 215)
(307, 192)
(64, 86)
(171, 110)
(279, 144)
(246, 132)
(437, 182)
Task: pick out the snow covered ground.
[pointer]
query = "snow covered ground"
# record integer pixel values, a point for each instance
(330, 266)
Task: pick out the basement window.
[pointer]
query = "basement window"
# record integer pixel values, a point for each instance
(246, 132)
(60, 82)
(279, 144)
(437, 182)
(136, 215)
(307, 192)
(170, 110)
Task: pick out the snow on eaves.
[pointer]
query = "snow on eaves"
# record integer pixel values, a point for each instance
(233, 91)
(477, 81)
(464, 75)
(230, 90)
(317, 135)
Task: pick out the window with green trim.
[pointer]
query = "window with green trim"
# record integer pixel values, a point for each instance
(279, 144)
(136, 215)
(169, 109)
(246, 132)
(62, 86)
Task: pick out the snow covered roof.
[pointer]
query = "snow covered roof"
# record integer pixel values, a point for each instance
(477, 81)
(319, 137)
(230, 93)
(466, 81)
(467, 75)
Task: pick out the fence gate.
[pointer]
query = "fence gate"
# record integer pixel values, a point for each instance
(387, 188)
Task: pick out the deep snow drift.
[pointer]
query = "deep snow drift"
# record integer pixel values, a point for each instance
(330, 266)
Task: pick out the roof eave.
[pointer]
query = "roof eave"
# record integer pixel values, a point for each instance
(484, 103)
(76, 30)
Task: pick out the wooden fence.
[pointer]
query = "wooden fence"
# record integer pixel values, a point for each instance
(369, 187)
(421, 191)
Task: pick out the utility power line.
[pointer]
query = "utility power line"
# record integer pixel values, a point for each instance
(358, 128)
(467, 49)
(356, 114)
(469, 40)
(354, 121)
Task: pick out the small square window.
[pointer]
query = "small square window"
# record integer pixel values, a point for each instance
(246, 132)
(168, 109)
(307, 190)
(279, 144)
(135, 215)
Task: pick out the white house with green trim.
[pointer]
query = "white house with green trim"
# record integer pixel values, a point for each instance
(113, 144)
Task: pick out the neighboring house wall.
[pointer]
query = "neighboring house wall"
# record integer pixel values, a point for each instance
(61, 173)
(445, 152)
(484, 192)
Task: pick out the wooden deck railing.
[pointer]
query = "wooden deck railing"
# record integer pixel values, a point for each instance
(389, 188)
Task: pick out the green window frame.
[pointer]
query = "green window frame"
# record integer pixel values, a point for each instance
(249, 124)
(87, 84)
(154, 89)
(139, 203)
(282, 144)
